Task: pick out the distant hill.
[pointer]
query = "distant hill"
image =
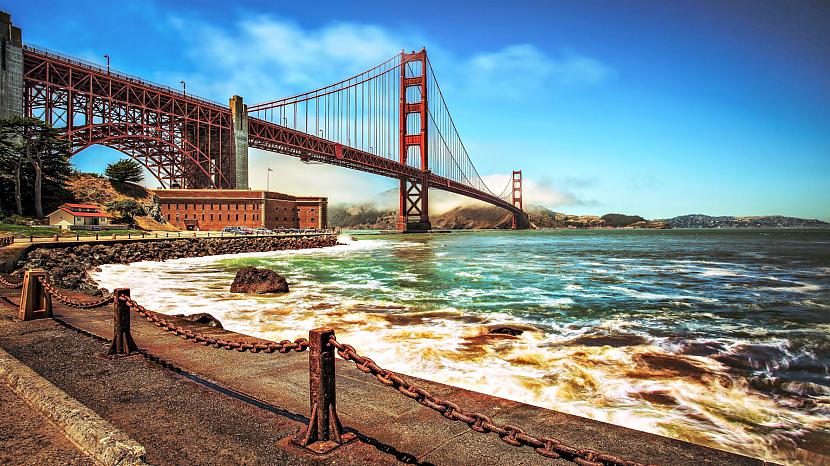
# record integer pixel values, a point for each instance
(95, 189)
(482, 217)
(768, 221)
(542, 217)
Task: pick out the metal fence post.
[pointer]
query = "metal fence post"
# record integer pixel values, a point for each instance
(122, 339)
(324, 432)
(35, 302)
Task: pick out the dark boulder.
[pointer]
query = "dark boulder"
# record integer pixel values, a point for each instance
(259, 281)
(510, 329)
(202, 318)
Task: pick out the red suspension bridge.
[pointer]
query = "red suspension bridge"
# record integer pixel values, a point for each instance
(391, 120)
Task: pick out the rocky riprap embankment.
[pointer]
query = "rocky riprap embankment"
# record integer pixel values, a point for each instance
(68, 266)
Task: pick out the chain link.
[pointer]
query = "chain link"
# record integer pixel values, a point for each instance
(9, 284)
(549, 447)
(284, 346)
(73, 302)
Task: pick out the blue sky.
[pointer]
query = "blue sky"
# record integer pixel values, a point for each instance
(652, 108)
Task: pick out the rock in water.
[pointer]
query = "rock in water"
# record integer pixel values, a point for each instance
(259, 281)
(202, 318)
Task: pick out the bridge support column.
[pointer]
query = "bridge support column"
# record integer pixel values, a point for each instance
(239, 113)
(414, 213)
(11, 68)
(521, 221)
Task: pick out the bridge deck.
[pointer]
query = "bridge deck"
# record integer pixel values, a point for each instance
(385, 416)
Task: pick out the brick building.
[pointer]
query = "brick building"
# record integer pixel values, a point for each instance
(214, 209)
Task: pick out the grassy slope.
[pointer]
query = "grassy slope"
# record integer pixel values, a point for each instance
(98, 190)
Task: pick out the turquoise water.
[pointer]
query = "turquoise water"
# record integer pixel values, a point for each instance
(720, 337)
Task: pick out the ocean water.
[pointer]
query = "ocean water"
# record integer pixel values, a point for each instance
(718, 337)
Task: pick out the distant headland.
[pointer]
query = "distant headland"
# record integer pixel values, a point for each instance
(368, 217)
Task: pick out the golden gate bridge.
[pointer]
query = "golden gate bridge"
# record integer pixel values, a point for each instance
(390, 120)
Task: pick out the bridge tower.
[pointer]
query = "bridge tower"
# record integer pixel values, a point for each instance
(413, 114)
(520, 221)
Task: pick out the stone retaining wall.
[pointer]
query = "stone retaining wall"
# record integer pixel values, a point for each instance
(68, 266)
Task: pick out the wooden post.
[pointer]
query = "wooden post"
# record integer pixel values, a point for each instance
(324, 432)
(35, 302)
(122, 340)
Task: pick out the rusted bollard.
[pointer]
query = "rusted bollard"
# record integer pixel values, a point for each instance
(122, 339)
(324, 432)
(35, 302)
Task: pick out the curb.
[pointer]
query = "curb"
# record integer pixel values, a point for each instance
(93, 435)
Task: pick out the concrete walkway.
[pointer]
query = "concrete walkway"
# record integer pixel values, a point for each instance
(383, 416)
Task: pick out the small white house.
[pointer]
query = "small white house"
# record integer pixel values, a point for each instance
(79, 215)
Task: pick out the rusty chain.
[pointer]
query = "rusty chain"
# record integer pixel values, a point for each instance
(512, 435)
(8, 303)
(73, 302)
(9, 284)
(284, 346)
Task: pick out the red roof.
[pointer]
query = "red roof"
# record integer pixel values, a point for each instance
(71, 208)
(85, 214)
(81, 206)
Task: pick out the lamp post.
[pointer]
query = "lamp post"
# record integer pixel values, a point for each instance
(184, 87)
(108, 62)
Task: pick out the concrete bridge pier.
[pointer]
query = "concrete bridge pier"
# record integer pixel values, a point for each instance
(11, 68)
(239, 114)
(521, 221)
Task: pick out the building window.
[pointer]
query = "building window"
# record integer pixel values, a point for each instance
(244, 217)
(185, 207)
(203, 217)
(237, 216)
(168, 217)
(211, 217)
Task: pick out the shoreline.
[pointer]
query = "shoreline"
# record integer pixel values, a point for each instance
(282, 399)
(69, 264)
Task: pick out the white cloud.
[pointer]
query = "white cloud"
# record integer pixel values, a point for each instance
(534, 191)
(264, 58)
(518, 71)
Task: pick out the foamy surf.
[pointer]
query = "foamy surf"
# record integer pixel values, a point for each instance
(635, 342)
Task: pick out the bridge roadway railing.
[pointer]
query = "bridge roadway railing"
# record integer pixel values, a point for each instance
(34, 49)
(324, 431)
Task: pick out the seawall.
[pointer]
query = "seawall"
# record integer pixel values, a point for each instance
(68, 263)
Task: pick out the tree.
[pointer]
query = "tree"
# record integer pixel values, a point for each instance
(126, 210)
(125, 170)
(29, 141)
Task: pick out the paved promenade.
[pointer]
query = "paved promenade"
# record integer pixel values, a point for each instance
(392, 428)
